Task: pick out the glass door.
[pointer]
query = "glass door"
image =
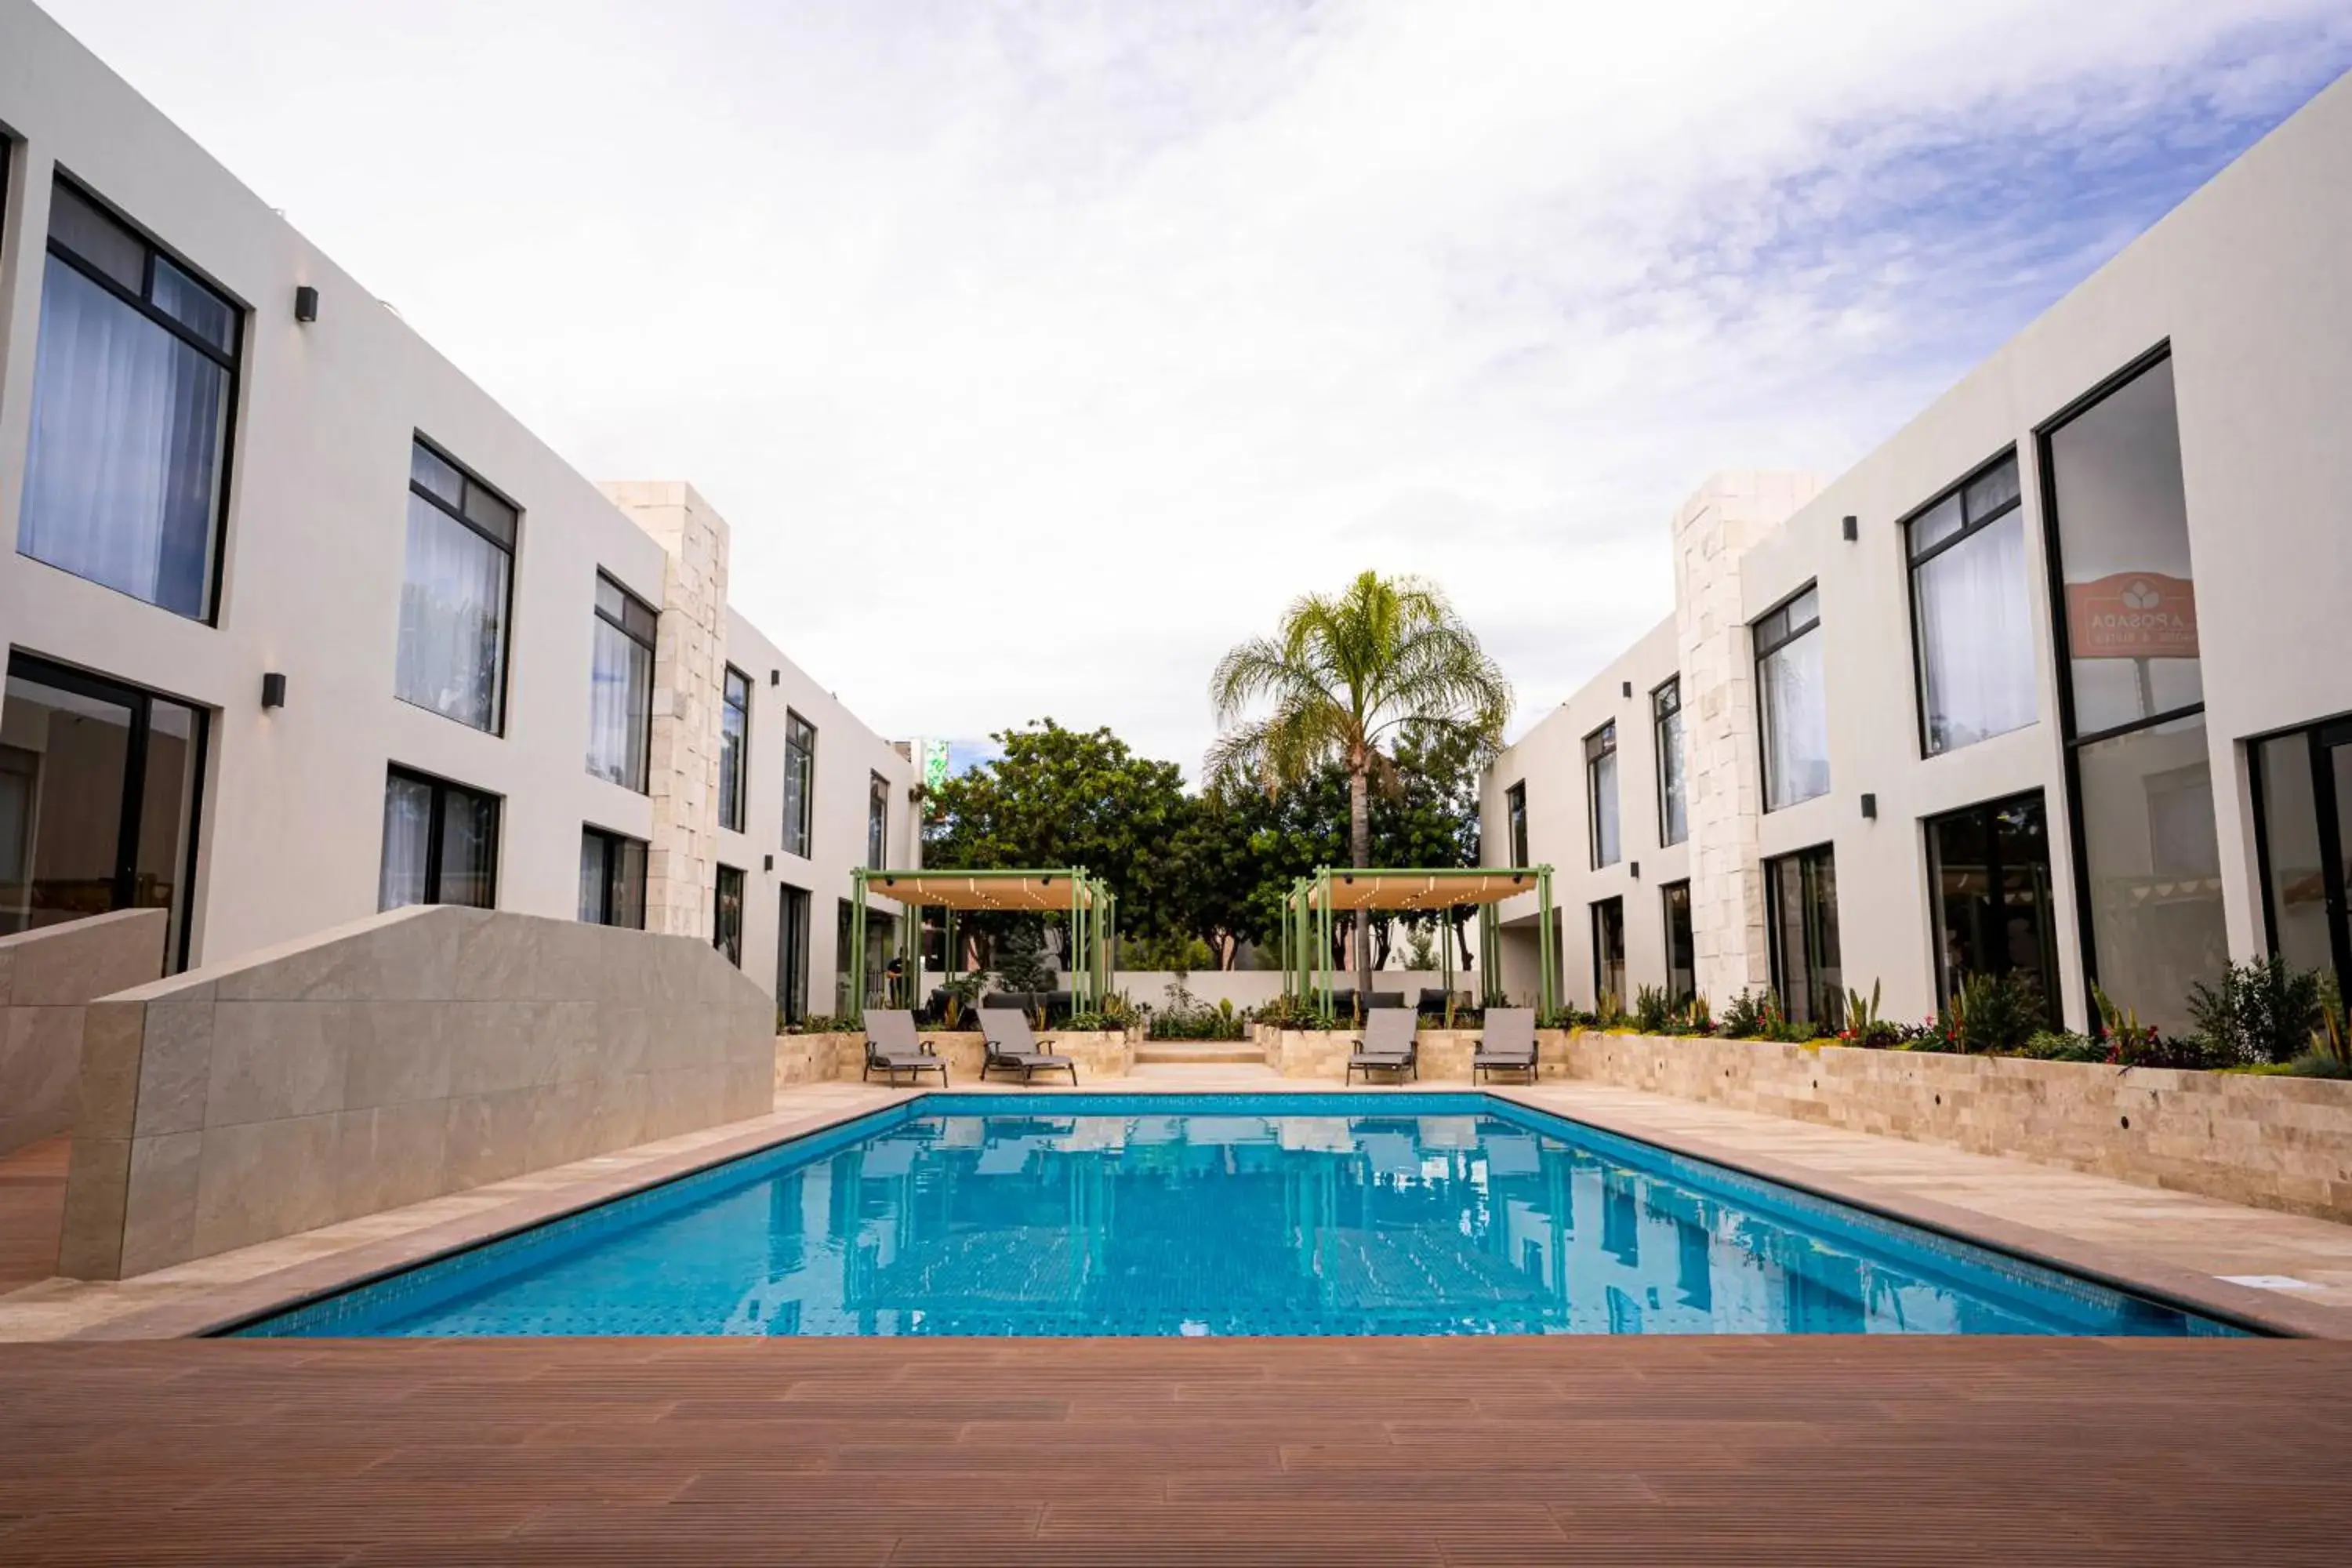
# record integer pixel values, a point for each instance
(2302, 785)
(98, 800)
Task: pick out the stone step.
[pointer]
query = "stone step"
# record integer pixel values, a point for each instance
(1176, 1052)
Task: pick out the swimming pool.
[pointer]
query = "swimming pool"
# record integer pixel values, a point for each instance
(1163, 1214)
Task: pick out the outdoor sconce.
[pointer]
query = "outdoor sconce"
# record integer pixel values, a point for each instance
(775, 677)
(1636, 867)
(1870, 808)
(1626, 688)
(767, 862)
(273, 691)
(306, 304)
(1853, 529)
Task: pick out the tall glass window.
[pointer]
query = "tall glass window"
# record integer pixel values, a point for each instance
(99, 791)
(612, 880)
(1969, 615)
(132, 387)
(791, 954)
(1608, 952)
(1601, 791)
(621, 687)
(2149, 881)
(1515, 808)
(800, 783)
(727, 915)
(2303, 817)
(1674, 804)
(454, 593)
(1794, 711)
(877, 821)
(440, 843)
(1801, 920)
(1989, 869)
(1682, 951)
(734, 749)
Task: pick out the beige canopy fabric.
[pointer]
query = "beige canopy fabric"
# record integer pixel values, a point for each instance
(1425, 890)
(967, 890)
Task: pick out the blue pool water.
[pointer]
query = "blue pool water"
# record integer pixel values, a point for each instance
(1414, 1213)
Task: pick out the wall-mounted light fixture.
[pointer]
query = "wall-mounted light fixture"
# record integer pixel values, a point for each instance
(1870, 808)
(1853, 529)
(306, 304)
(1636, 868)
(273, 691)
(775, 677)
(1626, 688)
(767, 862)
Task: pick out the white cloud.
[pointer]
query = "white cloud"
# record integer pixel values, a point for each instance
(1144, 317)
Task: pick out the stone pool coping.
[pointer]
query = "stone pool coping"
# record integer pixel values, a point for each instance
(199, 1309)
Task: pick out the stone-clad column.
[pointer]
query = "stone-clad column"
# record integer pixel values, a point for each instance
(1721, 741)
(690, 670)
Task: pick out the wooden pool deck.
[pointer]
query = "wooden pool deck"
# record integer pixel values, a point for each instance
(1177, 1451)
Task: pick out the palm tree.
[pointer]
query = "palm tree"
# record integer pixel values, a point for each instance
(1344, 674)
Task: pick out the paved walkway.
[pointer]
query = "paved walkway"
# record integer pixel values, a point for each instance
(1620, 1451)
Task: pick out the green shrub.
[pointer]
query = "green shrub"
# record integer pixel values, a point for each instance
(1995, 1015)
(2062, 1046)
(2261, 1012)
(1652, 1014)
(1753, 1015)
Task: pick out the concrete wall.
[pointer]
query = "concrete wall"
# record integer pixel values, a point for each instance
(408, 1055)
(46, 977)
(2274, 1142)
(2244, 282)
(291, 831)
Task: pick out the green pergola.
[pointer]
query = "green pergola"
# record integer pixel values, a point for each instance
(1092, 908)
(1313, 902)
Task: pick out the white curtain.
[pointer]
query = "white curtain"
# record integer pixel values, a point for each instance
(1796, 723)
(122, 476)
(621, 679)
(407, 824)
(1976, 638)
(453, 602)
(1674, 808)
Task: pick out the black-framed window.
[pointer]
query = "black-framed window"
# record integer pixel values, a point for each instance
(1972, 618)
(792, 953)
(734, 748)
(101, 790)
(135, 391)
(1600, 794)
(455, 593)
(2141, 812)
(1792, 707)
(1801, 922)
(2301, 783)
(621, 687)
(612, 880)
(440, 843)
(1673, 787)
(1608, 952)
(877, 821)
(1682, 948)
(726, 914)
(1515, 813)
(1988, 870)
(800, 783)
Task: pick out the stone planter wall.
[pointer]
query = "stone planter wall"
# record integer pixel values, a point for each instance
(2276, 1142)
(817, 1059)
(1445, 1054)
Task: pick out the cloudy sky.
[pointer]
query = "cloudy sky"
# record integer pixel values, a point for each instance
(1105, 327)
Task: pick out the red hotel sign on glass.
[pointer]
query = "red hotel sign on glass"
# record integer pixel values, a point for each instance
(2132, 614)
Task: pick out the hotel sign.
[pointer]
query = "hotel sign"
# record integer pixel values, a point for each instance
(2132, 614)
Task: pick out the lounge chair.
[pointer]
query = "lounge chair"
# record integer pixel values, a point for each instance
(892, 1048)
(1507, 1044)
(1387, 1046)
(1012, 1047)
(1384, 999)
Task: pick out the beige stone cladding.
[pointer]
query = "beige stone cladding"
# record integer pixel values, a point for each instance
(1723, 769)
(47, 976)
(689, 672)
(398, 1058)
(2271, 1141)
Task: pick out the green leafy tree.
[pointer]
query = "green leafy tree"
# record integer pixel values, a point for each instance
(1343, 679)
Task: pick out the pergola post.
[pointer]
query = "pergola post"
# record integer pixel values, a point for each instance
(856, 1002)
(1548, 934)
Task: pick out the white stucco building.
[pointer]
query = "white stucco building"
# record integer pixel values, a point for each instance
(299, 624)
(2057, 679)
